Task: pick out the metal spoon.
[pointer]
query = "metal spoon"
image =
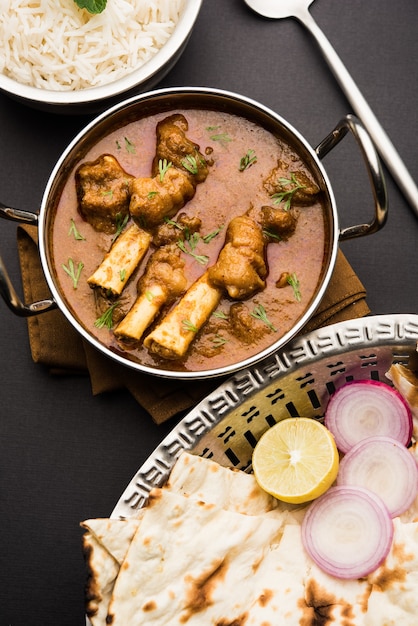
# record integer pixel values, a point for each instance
(277, 9)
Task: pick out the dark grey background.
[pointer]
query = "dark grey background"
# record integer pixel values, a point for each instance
(66, 455)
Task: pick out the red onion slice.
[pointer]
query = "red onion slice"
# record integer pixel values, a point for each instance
(384, 466)
(367, 408)
(347, 532)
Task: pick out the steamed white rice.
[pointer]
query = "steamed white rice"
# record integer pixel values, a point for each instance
(52, 44)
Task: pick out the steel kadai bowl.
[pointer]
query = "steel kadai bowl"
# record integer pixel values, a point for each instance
(167, 101)
(296, 381)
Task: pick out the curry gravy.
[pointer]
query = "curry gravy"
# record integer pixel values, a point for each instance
(227, 192)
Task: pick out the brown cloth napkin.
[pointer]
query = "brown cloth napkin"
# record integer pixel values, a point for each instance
(55, 344)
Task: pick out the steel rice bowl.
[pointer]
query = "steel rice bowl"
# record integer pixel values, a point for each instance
(97, 99)
(203, 98)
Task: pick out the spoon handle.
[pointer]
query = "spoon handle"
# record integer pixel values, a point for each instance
(383, 144)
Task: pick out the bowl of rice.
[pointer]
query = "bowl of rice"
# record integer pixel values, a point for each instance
(57, 56)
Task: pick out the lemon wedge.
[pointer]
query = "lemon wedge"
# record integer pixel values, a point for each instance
(296, 460)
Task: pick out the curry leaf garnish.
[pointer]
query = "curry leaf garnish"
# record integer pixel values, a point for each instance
(287, 194)
(92, 6)
(293, 281)
(207, 238)
(74, 231)
(106, 320)
(73, 272)
(188, 325)
(163, 166)
(200, 258)
(247, 160)
(260, 314)
(130, 147)
(121, 221)
(190, 164)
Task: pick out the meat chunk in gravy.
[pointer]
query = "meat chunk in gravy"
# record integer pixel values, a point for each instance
(103, 193)
(174, 147)
(170, 232)
(165, 268)
(277, 222)
(154, 199)
(178, 167)
(290, 183)
(241, 267)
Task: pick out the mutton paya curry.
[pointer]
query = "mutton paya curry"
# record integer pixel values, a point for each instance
(196, 239)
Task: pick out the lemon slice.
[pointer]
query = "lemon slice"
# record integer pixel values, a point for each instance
(296, 460)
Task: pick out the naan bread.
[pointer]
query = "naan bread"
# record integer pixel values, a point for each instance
(105, 545)
(190, 562)
(394, 596)
(114, 534)
(301, 594)
(206, 480)
(202, 479)
(103, 570)
(212, 549)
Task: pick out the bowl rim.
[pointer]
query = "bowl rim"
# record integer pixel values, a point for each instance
(135, 78)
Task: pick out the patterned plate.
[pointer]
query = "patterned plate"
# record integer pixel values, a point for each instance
(297, 380)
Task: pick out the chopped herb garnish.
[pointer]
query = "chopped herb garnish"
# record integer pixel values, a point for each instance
(260, 314)
(108, 193)
(121, 221)
(200, 258)
(192, 239)
(188, 325)
(190, 164)
(122, 275)
(207, 238)
(92, 6)
(73, 272)
(141, 220)
(221, 137)
(293, 281)
(269, 233)
(163, 166)
(287, 195)
(118, 146)
(220, 314)
(130, 147)
(152, 194)
(106, 320)
(219, 341)
(173, 223)
(149, 296)
(247, 160)
(74, 231)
